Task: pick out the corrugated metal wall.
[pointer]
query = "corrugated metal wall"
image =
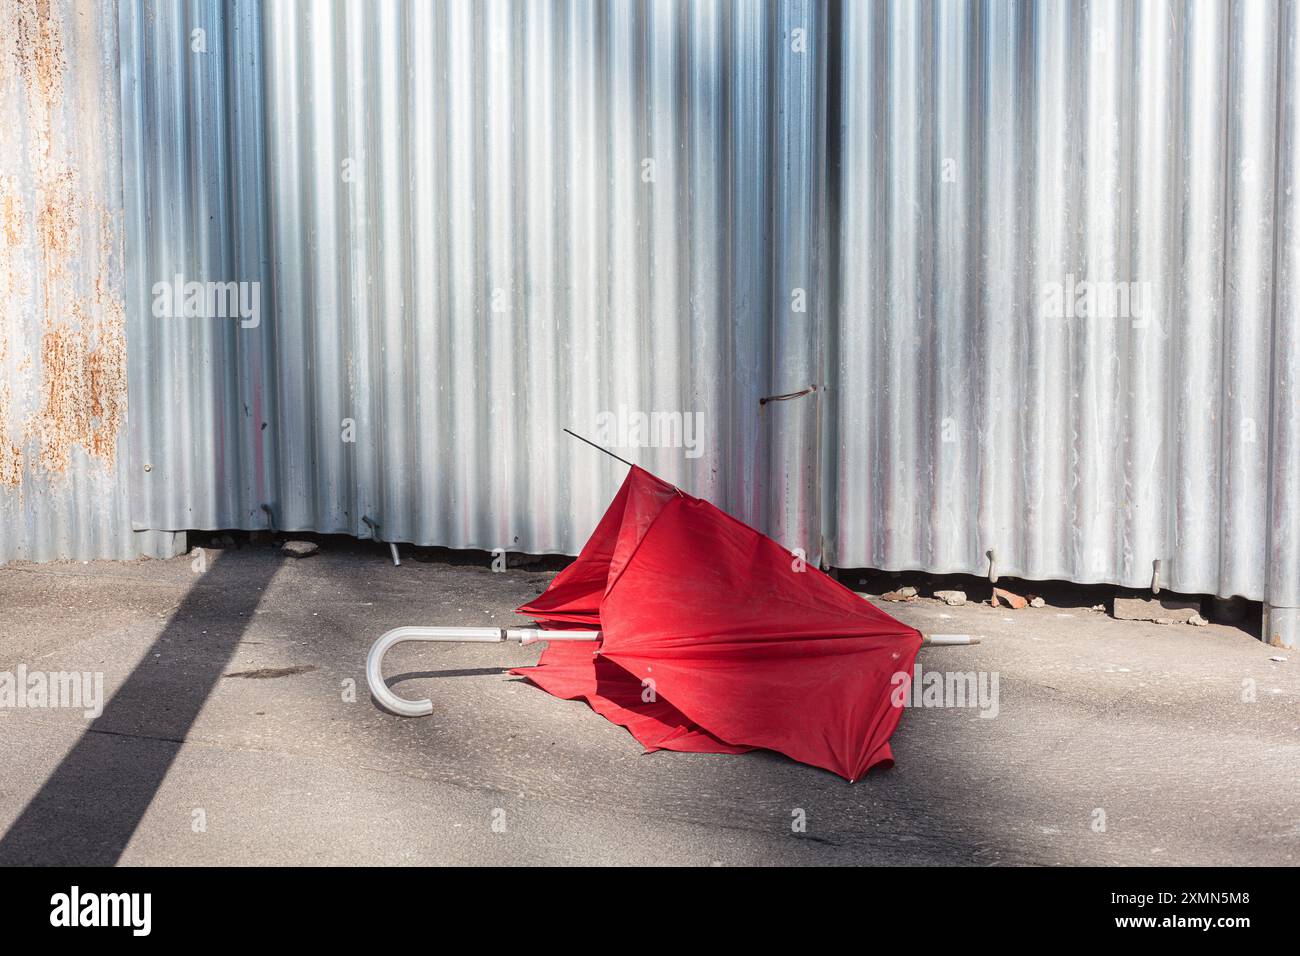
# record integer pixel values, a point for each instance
(63, 381)
(984, 154)
(473, 224)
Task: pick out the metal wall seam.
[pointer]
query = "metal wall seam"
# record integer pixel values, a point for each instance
(1282, 610)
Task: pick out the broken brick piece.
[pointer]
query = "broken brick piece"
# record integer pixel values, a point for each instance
(1014, 601)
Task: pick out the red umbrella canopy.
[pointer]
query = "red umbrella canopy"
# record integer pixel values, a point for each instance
(714, 639)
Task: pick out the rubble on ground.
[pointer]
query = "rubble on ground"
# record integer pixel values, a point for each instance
(299, 549)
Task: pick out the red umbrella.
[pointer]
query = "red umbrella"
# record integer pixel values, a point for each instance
(697, 633)
(715, 639)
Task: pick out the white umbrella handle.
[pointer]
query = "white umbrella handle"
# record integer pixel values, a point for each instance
(948, 640)
(470, 635)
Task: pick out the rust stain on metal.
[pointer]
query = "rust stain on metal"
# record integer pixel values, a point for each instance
(106, 365)
(13, 233)
(13, 226)
(11, 464)
(107, 360)
(33, 48)
(58, 233)
(11, 455)
(64, 418)
(107, 246)
(39, 48)
(83, 393)
(13, 218)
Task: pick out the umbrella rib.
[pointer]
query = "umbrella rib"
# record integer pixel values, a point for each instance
(600, 448)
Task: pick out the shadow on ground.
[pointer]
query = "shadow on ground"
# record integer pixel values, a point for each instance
(87, 810)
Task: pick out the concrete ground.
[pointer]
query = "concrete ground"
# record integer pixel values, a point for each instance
(231, 737)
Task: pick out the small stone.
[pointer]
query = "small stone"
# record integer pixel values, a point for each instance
(1278, 660)
(902, 594)
(951, 598)
(1163, 620)
(1197, 620)
(1036, 601)
(299, 549)
(1099, 607)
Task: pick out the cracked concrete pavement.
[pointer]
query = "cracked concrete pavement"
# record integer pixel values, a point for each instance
(231, 737)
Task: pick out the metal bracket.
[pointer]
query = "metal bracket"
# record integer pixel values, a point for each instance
(374, 531)
(993, 565)
(787, 396)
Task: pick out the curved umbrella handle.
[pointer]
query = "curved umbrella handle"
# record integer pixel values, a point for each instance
(471, 635)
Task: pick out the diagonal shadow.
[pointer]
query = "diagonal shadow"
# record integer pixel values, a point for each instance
(90, 806)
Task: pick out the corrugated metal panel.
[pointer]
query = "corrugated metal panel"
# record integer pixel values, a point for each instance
(461, 247)
(63, 385)
(472, 224)
(988, 150)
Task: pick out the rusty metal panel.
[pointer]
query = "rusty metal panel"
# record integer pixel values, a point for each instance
(63, 378)
(992, 156)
